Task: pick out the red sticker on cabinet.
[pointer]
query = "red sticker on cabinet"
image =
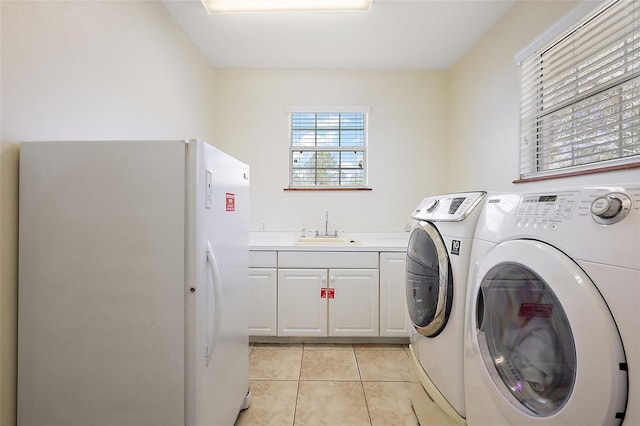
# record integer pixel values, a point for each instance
(323, 293)
(231, 202)
(532, 310)
(331, 293)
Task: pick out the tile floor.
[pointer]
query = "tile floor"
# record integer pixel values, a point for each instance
(328, 384)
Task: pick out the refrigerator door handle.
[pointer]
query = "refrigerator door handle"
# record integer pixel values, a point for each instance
(213, 306)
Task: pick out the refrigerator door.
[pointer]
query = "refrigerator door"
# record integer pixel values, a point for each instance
(217, 318)
(101, 284)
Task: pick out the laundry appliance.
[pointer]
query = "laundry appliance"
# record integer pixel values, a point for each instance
(436, 280)
(553, 308)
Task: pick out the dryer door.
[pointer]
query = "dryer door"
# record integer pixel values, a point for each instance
(429, 284)
(547, 338)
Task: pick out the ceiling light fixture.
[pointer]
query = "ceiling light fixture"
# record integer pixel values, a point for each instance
(270, 6)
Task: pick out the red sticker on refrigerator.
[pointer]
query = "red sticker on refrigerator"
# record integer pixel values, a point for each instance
(231, 202)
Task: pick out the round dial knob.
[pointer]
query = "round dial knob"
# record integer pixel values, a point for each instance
(606, 207)
(432, 206)
(610, 208)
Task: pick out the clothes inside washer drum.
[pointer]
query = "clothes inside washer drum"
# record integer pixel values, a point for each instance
(535, 356)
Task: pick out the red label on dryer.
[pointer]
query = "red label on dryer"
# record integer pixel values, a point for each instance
(231, 202)
(532, 310)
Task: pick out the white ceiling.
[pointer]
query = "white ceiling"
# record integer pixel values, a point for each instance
(394, 34)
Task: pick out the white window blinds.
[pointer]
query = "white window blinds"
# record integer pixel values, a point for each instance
(580, 106)
(328, 150)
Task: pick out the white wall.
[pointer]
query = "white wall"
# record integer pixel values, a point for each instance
(83, 70)
(116, 70)
(485, 104)
(406, 151)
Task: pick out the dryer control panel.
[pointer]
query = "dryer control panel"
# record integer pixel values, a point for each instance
(449, 207)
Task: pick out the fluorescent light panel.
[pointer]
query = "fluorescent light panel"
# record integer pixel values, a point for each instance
(270, 6)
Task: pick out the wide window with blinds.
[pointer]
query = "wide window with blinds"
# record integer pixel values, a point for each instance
(580, 109)
(328, 150)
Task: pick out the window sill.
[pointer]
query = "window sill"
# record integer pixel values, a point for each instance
(634, 165)
(330, 189)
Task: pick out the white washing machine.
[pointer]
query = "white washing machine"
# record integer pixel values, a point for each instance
(436, 281)
(553, 308)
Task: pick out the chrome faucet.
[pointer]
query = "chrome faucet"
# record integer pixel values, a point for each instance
(326, 223)
(326, 228)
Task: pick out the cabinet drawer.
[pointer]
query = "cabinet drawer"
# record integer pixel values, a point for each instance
(263, 259)
(333, 259)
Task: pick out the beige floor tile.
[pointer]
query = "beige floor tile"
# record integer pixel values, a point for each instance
(278, 346)
(328, 346)
(275, 364)
(379, 347)
(382, 366)
(437, 417)
(329, 364)
(331, 403)
(320, 384)
(429, 412)
(273, 403)
(389, 404)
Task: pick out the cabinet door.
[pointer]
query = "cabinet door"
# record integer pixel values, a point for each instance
(394, 317)
(262, 301)
(353, 305)
(301, 309)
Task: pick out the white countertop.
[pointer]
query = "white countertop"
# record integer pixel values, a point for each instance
(365, 241)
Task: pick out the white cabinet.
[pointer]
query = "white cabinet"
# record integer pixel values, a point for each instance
(394, 317)
(353, 304)
(328, 294)
(303, 312)
(262, 293)
(327, 302)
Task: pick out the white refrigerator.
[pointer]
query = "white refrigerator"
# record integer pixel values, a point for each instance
(133, 282)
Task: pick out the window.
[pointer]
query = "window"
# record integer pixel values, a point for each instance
(580, 109)
(328, 149)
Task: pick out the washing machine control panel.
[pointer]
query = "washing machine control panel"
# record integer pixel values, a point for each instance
(597, 224)
(548, 207)
(449, 207)
(605, 206)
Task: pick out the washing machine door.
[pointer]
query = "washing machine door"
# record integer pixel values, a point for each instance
(547, 338)
(429, 284)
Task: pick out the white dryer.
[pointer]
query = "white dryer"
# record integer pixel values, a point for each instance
(553, 309)
(437, 270)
